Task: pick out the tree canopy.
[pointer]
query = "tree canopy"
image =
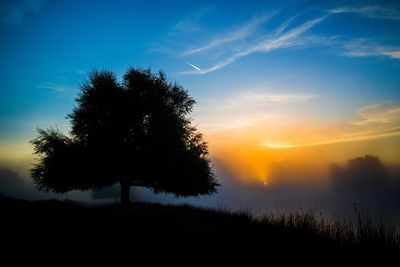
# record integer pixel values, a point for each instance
(135, 132)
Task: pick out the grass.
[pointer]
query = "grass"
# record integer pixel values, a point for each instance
(55, 225)
(365, 235)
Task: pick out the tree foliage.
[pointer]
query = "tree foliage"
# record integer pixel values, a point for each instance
(135, 132)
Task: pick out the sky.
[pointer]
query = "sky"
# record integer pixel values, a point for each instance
(301, 84)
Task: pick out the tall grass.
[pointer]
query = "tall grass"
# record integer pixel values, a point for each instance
(363, 233)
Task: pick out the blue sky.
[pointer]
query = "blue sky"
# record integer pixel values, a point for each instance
(310, 60)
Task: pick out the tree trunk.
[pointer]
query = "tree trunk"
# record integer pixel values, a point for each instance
(125, 188)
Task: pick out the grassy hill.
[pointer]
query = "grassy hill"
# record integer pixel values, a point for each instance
(71, 227)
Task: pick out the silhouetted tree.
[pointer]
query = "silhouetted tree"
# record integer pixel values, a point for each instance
(135, 132)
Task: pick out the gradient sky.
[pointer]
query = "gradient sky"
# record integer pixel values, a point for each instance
(273, 82)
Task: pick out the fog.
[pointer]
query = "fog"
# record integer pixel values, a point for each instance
(21, 187)
(363, 182)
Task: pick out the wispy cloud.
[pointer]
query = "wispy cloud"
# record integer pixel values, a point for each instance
(286, 39)
(238, 34)
(284, 25)
(80, 71)
(241, 110)
(12, 12)
(392, 54)
(352, 47)
(255, 99)
(363, 47)
(331, 141)
(378, 114)
(291, 34)
(378, 12)
(377, 121)
(54, 87)
(186, 29)
(191, 23)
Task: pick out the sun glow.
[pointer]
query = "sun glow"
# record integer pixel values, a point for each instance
(302, 151)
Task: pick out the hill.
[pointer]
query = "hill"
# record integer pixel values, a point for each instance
(64, 226)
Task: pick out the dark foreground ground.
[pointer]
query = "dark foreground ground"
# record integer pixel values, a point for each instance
(69, 229)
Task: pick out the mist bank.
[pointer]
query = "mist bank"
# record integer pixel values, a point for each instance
(261, 179)
(362, 183)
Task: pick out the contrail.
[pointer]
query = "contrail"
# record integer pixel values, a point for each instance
(193, 66)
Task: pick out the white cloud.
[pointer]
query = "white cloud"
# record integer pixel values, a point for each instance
(378, 114)
(213, 124)
(191, 22)
(284, 25)
(335, 140)
(81, 71)
(287, 39)
(242, 110)
(392, 54)
(55, 87)
(12, 12)
(377, 12)
(238, 34)
(364, 47)
(254, 100)
(225, 49)
(352, 47)
(371, 122)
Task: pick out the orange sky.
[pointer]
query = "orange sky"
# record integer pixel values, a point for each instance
(258, 164)
(302, 149)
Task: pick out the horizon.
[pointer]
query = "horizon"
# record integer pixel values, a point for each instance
(283, 90)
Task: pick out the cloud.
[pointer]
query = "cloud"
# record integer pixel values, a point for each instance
(188, 27)
(192, 22)
(13, 11)
(257, 99)
(352, 47)
(225, 49)
(81, 71)
(287, 39)
(392, 54)
(241, 110)
(55, 87)
(377, 12)
(235, 121)
(372, 122)
(334, 140)
(238, 34)
(364, 47)
(253, 100)
(378, 114)
(284, 25)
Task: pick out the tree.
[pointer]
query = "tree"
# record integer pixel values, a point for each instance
(134, 132)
